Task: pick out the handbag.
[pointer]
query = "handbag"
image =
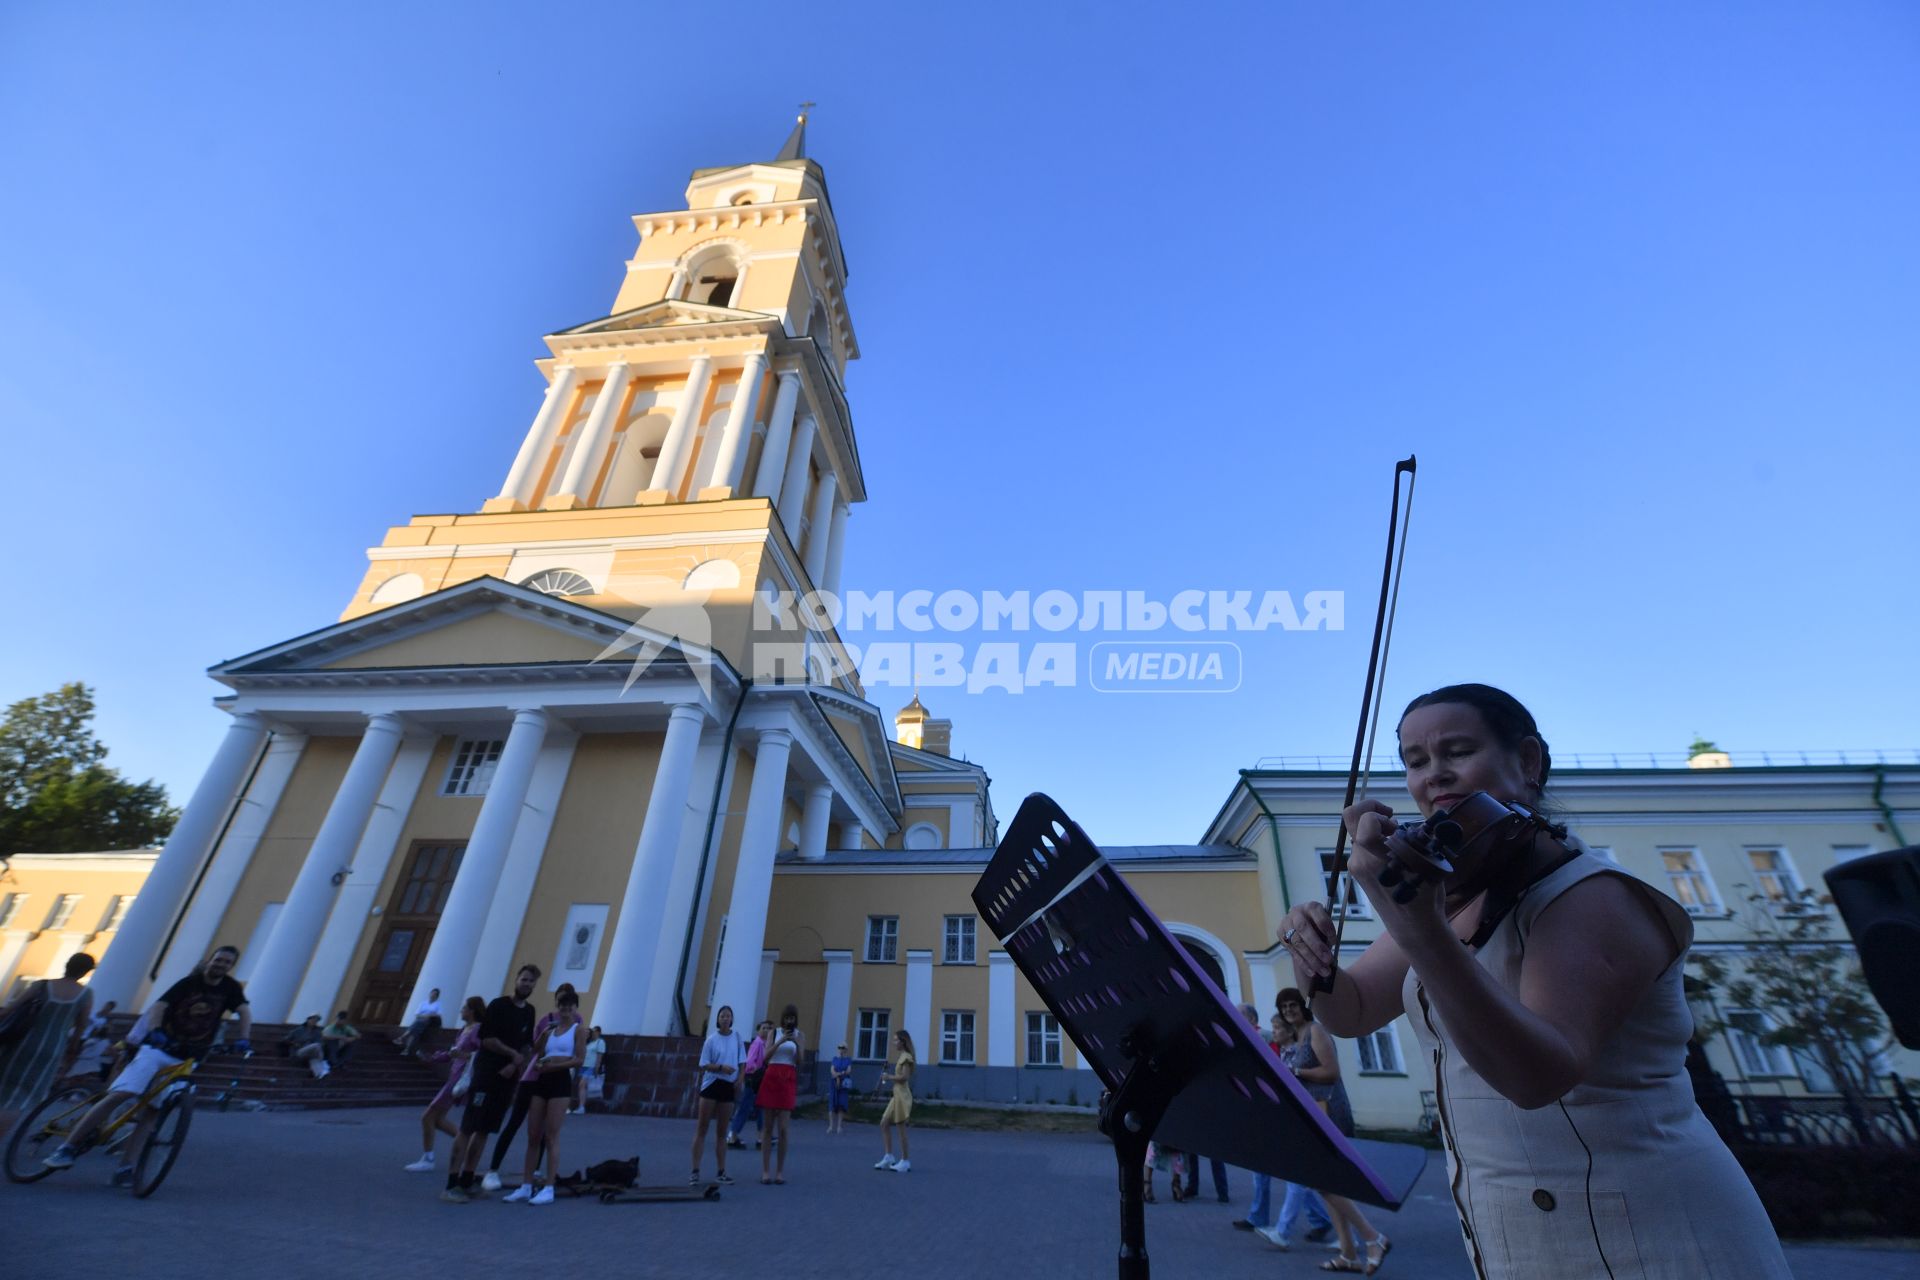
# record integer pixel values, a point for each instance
(596, 1086)
(465, 1082)
(13, 1026)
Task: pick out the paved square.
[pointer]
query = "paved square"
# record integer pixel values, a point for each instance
(295, 1194)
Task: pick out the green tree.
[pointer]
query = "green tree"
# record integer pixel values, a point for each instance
(1809, 987)
(56, 795)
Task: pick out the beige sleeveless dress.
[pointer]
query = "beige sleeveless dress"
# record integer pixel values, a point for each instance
(1623, 1178)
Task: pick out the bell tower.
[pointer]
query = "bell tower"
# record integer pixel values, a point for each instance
(702, 423)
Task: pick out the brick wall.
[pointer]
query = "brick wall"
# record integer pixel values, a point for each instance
(652, 1075)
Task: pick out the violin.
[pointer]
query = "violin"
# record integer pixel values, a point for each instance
(1476, 845)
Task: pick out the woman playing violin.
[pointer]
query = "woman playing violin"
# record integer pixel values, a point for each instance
(1558, 1035)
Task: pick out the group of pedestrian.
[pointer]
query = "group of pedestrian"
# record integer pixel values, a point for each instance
(1305, 1049)
(515, 1063)
(758, 1080)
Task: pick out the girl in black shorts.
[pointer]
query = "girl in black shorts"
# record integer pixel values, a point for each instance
(559, 1050)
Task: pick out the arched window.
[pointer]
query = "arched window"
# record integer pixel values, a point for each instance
(922, 835)
(713, 274)
(560, 582)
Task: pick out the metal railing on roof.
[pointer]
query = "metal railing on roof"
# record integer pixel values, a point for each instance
(1630, 760)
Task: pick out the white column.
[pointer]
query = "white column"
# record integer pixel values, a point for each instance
(450, 955)
(847, 835)
(793, 486)
(12, 943)
(585, 458)
(354, 900)
(836, 1002)
(280, 967)
(620, 1006)
(525, 472)
(739, 977)
(685, 906)
(1002, 1017)
(815, 817)
(123, 970)
(194, 938)
(678, 445)
(836, 544)
(916, 1018)
(819, 529)
(493, 958)
(768, 959)
(677, 285)
(732, 458)
(773, 456)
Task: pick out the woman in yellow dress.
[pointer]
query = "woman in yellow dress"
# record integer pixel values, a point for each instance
(900, 1108)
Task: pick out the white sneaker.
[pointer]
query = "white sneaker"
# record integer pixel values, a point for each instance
(886, 1162)
(491, 1182)
(522, 1192)
(1274, 1237)
(904, 1166)
(543, 1196)
(423, 1165)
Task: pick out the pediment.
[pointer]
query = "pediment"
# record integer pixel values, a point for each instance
(666, 314)
(481, 623)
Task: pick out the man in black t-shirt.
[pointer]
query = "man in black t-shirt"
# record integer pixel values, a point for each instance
(506, 1040)
(183, 1024)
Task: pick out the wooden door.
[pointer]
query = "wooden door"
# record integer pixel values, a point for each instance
(400, 946)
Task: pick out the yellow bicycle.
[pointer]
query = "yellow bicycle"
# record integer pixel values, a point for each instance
(169, 1100)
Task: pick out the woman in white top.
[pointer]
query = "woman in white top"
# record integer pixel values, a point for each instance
(555, 1055)
(1559, 1031)
(719, 1069)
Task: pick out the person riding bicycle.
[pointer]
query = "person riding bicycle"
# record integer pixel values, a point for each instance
(186, 1020)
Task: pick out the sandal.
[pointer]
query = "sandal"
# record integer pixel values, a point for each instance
(779, 1179)
(1385, 1246)
(1341, 1262)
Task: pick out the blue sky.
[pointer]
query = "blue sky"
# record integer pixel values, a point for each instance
(1150, 297)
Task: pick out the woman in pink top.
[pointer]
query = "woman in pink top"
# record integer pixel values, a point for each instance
(748, 1106)
(434, 1118)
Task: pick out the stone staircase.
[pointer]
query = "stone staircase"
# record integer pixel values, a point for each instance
(376, 1076)
(645, 1075)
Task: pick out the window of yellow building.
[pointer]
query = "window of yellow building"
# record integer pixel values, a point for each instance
(956, 1036)
(1692, 887)
(10, 907)
(1043, 1040)
(473, 766)
(870, 1035)
(960, 940)
(1774, 876)
(883, 939)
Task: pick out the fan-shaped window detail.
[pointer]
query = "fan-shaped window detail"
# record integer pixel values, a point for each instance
(397, 589)
(923, 835)
(712, 575)
(560, 582)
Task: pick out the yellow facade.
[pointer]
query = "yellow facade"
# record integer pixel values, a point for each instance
(53, 905)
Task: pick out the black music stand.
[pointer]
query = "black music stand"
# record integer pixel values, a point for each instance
(1176, 1058)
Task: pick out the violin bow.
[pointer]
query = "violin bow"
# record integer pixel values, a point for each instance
(1361, 770)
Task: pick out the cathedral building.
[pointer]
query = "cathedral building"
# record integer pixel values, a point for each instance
(540, 731)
